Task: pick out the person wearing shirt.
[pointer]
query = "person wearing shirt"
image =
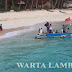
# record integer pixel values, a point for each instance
(53, 31)
(68, 30)
(64, 28)
(50, 28)
(41, 31)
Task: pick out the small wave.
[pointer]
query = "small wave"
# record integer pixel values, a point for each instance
(14, 33)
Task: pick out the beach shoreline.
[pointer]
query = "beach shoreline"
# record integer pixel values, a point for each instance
(35, 27)
(14, 21)
(4, 31)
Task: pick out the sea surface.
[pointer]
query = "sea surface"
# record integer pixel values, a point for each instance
(22, 47)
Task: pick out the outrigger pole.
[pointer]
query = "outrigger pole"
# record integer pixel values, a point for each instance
(70, 24)
(68, 20)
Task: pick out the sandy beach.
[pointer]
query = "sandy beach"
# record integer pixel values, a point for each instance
(12, 21)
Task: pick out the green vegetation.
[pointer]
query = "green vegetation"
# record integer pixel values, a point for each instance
(7, 5)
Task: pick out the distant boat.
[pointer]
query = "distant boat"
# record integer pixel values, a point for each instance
(62, 12)
(52, 36)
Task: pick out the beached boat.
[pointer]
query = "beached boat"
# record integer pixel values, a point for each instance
(52, 36)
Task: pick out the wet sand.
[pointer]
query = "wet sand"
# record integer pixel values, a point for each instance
(4, 31)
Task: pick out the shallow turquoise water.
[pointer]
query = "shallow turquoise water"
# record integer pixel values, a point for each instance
(25, 48)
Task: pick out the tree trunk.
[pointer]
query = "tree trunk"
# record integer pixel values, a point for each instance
(64, 0)
(20, 6)
(6, 5)
(42, 4)
(59, 4)
(1, 3)
(26, 4)
(32, 4)
(36, 4)
(52, 5)
(55, 3)
(13, 4)
(62, 4)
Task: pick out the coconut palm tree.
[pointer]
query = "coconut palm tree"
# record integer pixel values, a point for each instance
(42, 4)
(19, 5)
(1, 2)
(36, 4)
(26, 4)
(6, 4)
(32, 4)
(56, 3)
(61, 3)
(13, 4)
(52, 5)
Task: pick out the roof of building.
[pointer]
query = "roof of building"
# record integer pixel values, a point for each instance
(39, 1)
(69, 2)
(22, 2)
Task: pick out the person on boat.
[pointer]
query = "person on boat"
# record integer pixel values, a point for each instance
(64, 28)
(68, 30)
(50, 29)
(56, 31)
(61, 30)
(41, 31)
(53, 31)
(47, 24)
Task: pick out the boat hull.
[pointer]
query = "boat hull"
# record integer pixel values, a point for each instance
(53, 36)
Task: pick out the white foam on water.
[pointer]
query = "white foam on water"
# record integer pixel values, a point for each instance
(14, 33)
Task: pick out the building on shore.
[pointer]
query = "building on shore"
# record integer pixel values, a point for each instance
(67, 4)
